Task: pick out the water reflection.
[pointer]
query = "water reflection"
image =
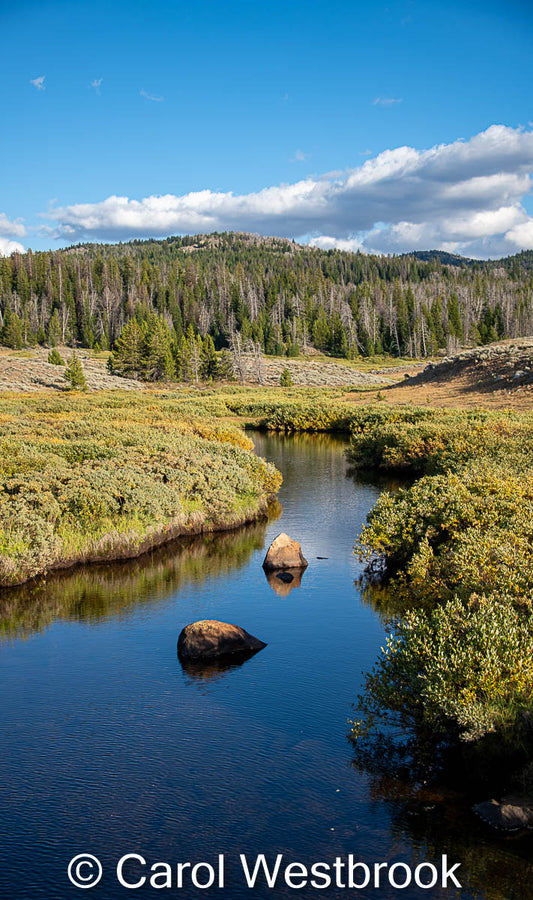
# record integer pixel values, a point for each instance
(282, 583)
(207, 670)
(92, 593)
(110, 745)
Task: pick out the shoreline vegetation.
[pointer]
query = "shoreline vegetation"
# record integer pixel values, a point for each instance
(455, 548)
(105, 476)
(100, 477)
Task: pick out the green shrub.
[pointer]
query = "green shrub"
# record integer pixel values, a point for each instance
(94, 476)
(459, 543)
(55, 358)
(456, 534)
(455, 671)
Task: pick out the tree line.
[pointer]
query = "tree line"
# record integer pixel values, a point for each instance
(177, 303)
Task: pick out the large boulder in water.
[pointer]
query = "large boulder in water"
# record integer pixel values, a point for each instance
(209, 639)
(284, 553)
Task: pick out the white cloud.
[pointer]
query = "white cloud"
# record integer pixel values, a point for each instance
(15, 228)
(299, 156)
(151, 97)
(38, 82)
(386, 101)
(326, 242)
(465, 195)
(8, 247)
(521, 235)
(96, 83)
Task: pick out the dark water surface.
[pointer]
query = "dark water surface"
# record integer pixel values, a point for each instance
(110, 747)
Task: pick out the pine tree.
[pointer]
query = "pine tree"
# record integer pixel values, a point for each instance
(183, 366)
(128, 358)
(225, 366)
(11, 334)
(28, 335)
(54, 329)
(55, 358)
(74, 374)
(158, 351)
(454, 318)
(321, 332)
(209, 359)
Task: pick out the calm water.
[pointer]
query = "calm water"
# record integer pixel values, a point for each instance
(109, 746)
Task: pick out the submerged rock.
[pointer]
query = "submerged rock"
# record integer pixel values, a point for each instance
(209, 639)
(505, 816)
(284, 553)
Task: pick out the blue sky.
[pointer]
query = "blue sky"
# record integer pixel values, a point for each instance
(381, 126)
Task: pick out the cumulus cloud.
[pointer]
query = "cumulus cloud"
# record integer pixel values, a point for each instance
(38, 82)
(8, 247)
(326, 242)
(7, 227)
(465, 196)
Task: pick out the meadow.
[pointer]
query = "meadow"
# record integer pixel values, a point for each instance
(106, 476)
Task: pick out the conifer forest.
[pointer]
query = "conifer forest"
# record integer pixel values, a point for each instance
(167, 306)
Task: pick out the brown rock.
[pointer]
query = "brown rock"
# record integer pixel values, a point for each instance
(284, 553)
(208, 639)
(505, 816)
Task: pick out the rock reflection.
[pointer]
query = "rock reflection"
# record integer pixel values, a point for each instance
(283, 582)
(429, 797)
(207, 670)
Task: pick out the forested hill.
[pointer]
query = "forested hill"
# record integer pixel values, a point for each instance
(282, 297)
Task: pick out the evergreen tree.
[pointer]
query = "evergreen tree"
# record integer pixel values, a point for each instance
(129, 357)
(159, 363)
(11, 334)
(183, 360)
(268, 291)
(27, 332)
(74, 374)
(454, 318)
(54, 329)
(225, 366)
(55, 358)
(209, 359)
(321, 332)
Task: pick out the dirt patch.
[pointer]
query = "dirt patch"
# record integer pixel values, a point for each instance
(496, 376)
(30, 371)
(316, 373)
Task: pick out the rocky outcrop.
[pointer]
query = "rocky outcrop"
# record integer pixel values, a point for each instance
(505, 816)
(209, 639)
(284, 553)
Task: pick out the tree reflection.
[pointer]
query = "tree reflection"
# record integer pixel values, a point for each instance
(91, 593)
